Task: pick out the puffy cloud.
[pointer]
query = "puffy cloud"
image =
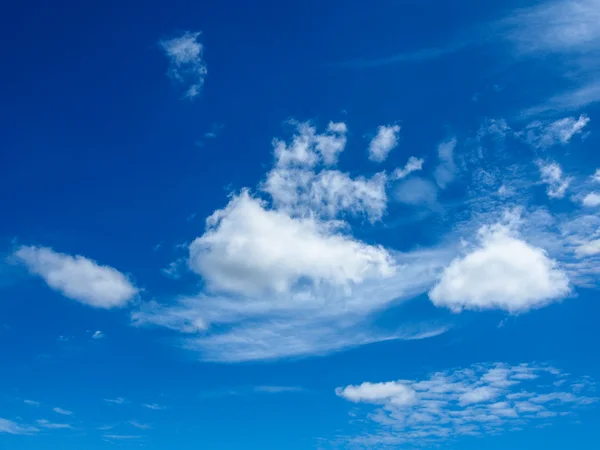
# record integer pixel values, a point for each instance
(552, 175)
(391, 392)
(589, 248)
(591, 200)
(384, 142)
(413, 165)
(478, 400)
(98, 335)
(78, 278)
(502, 272)
(186, 63)
(544, 135)
(446, 170)
(596, 176)
(248, 249)
(10, 427)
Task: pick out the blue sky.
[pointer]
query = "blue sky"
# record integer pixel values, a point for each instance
(341, 225)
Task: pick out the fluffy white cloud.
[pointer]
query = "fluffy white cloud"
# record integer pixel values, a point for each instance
(596, 176)
(77, 277)
(589, 248)
(62, 412)
(591, 200)
(552, 175)
(10, 427)
(186, 63)
(98, 335)
(414, 164)
(248, 249)
(393, 392)
(481, 399)
(446, 170)
(384, 142)
(502, 272)
(544, 135)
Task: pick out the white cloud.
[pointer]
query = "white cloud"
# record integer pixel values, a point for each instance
(141, 426)
(475, 401)
(31, 403)
(591, 200)
(446, 170)
(552, 175)
(154, 406)
(78, 278)
(116, 401)
(502, 272)
(62, 412)
(248, 249)
(545, 135)
(121, 437)
(10, 427)
(186, 63)
(589, 248)
(98, 335)
(414, 164)
(596, 176)
(277, 389)
(53, 426)
(384, 142)
(392, 392)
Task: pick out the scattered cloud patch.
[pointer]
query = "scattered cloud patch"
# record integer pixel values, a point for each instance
(78, 278)
(552, 175)
(277, 389)
(417, 191)
(479, 400)
(98, 335)
(31, 402)
(413, 165)
(141, 426)
(154, 406)
(116, 401)
(384, 142)
(186, 62)
(53, 426)
(63, 412)
(542, 135)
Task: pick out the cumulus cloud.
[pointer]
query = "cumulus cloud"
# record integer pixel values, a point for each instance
(78, 278)
(552, 175)
(186, 63)
(478, 400)
(542, 135)
(248, 249)
(596, 176)
(98, 335)
(591, 200)
(446, 170)
(502, 272)
(384, 142)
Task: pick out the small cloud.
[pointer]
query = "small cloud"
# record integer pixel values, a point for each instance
(591, 200)
(277, 389)
(141, 426)
(116, 401)
(384, 142)
(77, 277)
(10, 427)
(98, 335)
(154, 406)
(63, 412)
(53, 426)
(186, 63)
(119, 437)
(446, 170)
(542, 135)
(31, 403)
(552, 175)
(413, 165)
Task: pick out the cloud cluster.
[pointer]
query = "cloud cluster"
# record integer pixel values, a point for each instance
(481, 399)
(552, 175)
(542, 135)
(78, 278)
(186, 63)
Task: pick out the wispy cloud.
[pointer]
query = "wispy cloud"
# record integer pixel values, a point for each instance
(98, 335)
(141, 426)
(53, 426)
(10, 427)
(62, 411)
(186, 63)
(154, 406)
(77, 277)
(31, 402)
(116, 401)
